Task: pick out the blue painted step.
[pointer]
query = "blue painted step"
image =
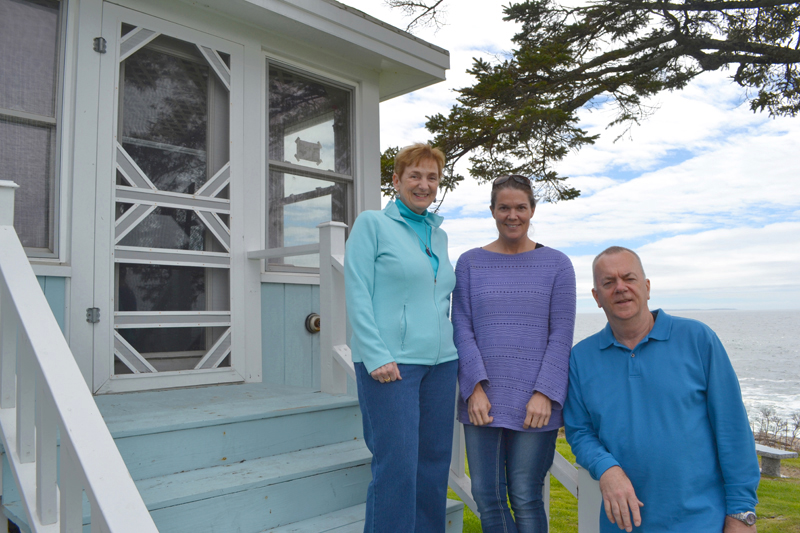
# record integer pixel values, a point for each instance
(268, 492)
(252, 495)
(165, 432)
(351, 520)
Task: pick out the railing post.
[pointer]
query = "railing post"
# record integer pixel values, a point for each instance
(46, 455)
(7, 202)
(8, 317)
(590, 500)
(459, 481)
(332, 310)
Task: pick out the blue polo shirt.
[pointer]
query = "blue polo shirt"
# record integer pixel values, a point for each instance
(670, 413)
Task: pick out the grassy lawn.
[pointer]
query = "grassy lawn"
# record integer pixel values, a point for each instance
(778, 510)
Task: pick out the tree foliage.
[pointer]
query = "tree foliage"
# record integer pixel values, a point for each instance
(423, 13)
(520, 116)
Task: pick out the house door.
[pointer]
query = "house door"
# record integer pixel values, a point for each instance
(164, 230)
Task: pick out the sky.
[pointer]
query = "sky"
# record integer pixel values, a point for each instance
(705, 191)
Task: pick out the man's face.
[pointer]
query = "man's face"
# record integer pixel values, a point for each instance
(620, 287)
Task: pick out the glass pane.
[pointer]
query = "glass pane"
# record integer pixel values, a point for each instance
(29, 59)
(309, 122)
(297, 205)
(171, 288)
(174, 120)
(27, 156)
(178, 229)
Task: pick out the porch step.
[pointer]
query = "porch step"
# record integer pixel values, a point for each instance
(351, 520)
(166, 432)
(267, 492)
(251, 495)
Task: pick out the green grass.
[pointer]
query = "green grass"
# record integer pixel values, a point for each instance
(779, 502)
(778, 509)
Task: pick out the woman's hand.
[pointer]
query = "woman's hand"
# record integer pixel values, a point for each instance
(478, 407)
(538, 411)
(386, 373)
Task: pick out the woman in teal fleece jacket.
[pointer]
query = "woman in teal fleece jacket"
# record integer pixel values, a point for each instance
(398, 280)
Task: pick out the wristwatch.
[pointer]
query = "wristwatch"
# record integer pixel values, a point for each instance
(748, 517)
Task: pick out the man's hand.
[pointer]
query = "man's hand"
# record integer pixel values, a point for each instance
(620, 499)
(737, 526)
(538, 411)
(386, 373)
(478, 407)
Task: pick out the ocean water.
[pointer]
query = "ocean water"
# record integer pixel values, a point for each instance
(764, 348)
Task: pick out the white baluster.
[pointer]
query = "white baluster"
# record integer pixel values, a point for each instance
(71, 513)
(546, 496)
(8, 349)
(26, 400)
(46, 456)
(590, 500)
(332, 309)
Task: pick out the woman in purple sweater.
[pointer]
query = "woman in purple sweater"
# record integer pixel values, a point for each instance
(513, 315)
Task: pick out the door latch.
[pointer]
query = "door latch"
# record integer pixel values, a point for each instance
(93, 315)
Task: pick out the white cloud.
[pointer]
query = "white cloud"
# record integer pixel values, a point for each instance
(704, 189)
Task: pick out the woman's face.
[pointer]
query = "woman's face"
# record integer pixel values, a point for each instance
(512, 212)
(417, 187)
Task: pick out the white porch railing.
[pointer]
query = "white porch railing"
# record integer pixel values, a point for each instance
(337, 363)
(43, 400)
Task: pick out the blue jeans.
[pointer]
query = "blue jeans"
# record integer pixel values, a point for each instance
(503, 461)
(408, 427)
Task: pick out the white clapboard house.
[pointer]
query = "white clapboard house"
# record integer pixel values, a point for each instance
(173, 161)
(176, 182)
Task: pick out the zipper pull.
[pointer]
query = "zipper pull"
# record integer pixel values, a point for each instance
(428, 251)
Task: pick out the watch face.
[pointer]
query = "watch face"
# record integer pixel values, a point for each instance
(750, 518)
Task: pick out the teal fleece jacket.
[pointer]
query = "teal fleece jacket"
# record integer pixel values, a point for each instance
(398, 310)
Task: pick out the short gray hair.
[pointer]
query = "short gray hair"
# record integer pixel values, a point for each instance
(611, 250)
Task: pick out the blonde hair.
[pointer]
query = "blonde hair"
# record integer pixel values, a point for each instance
(413, 154)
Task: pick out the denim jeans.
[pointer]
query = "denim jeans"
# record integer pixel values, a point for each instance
(503, 461)
(408, 427)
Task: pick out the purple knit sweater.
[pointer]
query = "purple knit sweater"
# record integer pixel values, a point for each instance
(514, 316)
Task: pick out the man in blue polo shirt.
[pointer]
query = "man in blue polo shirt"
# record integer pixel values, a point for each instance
(654, 412)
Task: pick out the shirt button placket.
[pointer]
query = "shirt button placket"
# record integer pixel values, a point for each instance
(633, 365)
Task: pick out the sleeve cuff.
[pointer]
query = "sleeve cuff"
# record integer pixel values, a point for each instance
(469, 386)
(601, 466)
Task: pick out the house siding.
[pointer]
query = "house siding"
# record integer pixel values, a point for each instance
(290, 352)
(55, 290)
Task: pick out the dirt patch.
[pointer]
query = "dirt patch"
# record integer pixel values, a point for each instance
(790, 471)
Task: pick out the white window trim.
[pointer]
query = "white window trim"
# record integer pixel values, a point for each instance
(62, 120)
(305, 275)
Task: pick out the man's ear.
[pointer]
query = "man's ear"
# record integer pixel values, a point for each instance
(594, 294)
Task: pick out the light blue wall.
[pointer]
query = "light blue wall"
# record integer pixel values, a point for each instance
(55, 290)
(290, 353)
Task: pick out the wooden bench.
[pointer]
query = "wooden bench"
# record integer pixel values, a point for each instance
(771, 459)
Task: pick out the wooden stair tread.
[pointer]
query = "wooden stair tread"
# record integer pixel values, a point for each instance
(349, 520)
(141, 413)
(183, 487)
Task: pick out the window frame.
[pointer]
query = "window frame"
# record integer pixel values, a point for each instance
(287, 273)
(57, 226)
